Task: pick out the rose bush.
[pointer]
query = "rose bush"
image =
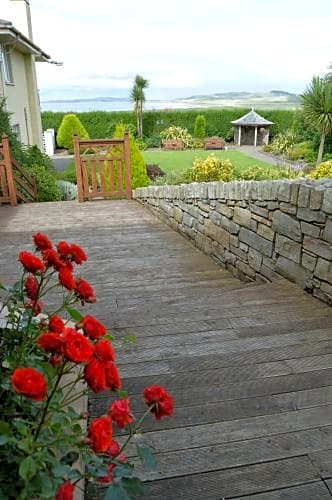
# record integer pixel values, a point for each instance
(45, 360)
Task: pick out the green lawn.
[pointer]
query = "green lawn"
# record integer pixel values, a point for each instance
(179, 161)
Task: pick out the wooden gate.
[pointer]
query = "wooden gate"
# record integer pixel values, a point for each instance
(15, 184)
(102, 168)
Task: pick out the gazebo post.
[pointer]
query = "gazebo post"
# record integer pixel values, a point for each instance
(255, 142)
(239, 136)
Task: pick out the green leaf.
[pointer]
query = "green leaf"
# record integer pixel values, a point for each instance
(61, 471)
(116, 492)
(28, 468)
(70, 458)
(74, 314)
(122, 394)
(129, 338)
(3, 440)
(5, 428)
(133, 486)
(146, 456)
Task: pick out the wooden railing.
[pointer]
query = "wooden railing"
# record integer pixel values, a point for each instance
(15, 184)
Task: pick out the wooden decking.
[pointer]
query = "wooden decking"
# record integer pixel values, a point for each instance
(249, 365)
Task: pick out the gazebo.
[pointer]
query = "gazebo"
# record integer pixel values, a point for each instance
(251, 129)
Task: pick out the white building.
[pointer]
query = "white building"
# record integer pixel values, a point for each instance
(18, 82)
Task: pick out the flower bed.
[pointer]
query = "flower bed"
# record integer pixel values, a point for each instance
(49, 360)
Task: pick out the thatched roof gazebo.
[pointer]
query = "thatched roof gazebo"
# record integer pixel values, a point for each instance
(251, 129)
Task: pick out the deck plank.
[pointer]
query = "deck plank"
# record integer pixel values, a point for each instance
(249, 364)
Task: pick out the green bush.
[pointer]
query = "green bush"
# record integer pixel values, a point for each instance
(70, 125)
(139, 177)
(211, 169)
(68, 190)
(282, 142)
(200, 127)
(256, 173)
(198, 144)
(177, 134)
(69, 174)
(323, 170)
(47, 188)
(300, 151)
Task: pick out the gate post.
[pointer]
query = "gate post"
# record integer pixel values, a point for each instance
(9, 170)
(126, 148)
(80, 193)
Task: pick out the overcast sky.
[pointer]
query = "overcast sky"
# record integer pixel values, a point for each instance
(183, 47)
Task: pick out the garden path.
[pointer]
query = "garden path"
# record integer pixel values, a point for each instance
(258, 154)
(249, 365)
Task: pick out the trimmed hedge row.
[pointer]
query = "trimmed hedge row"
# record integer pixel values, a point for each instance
(100, 124)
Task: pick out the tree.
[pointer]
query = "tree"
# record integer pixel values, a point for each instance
(200, 127)
(138, 97)
(317, 109)
(69, 126)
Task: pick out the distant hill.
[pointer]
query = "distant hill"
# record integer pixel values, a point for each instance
(271, 99)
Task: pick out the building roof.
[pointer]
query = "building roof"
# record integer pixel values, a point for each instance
(252, 119)
(10, 35)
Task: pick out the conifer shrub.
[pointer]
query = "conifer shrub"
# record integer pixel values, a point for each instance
(70, 125)
(200, 127)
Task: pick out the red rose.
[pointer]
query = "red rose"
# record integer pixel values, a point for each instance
(85, 291)
(78, 253)
(35, 306)
(120, 412)
(31, 286)
(41, 241)
(64, 249)
(29, 382)
(114, 448)
(77, 347)
(30, 262)
(52, 259)
(65, 491)
(161, 399)
(93, 327)
(94, 374)
(56, 324)
(100, 434)
(109, 477)
(113, 381)
(55, 359)
(67, 279)
(104, 350)
(50, 342)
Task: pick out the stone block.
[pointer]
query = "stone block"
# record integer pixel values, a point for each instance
(204, 243)
(318, 247)
(215, 217)
(187, 220)
(229, 257)
(177, 214)
(284, 191)
(293, 271)
(225, 210)
(265, 231)
(327, 235)
(242, 216)
(326, 288)
(234, 240)
(294, 193)
(327, 201)
(244, 246)
(262, 212)
(165, 207)
(253, 225)
(273, 205)
(212, 190)
(323, 270)
(285, 224)
(205, 207)
(303, 197)
(255, 241)
(310, 230)
(316, 199)
(288, 208)
(260, 219)
(229, 225)
(244, 269)
(308, 261)
(255, 259)
(216, 233)
(310, 215)
(239, 253)
(288, 248)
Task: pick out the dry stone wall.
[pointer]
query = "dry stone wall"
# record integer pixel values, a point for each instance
(258, 230)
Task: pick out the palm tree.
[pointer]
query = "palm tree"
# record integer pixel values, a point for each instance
(317, 109)
(138, 97)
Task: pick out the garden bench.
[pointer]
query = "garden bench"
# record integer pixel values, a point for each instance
(173, 144)
(214, 143)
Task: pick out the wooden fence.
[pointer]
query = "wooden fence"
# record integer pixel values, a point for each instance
(15, 184)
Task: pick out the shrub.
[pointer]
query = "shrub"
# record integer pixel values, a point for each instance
(323, 170)
(47, 188)
(47, 362)
(69, 174)
(211, 169)
(300, 151)
(70, 125)
(198, 144)
(68, 190)
(256, 173)
(283, 142)
(200, 127)
(177, 134)
(139, 177)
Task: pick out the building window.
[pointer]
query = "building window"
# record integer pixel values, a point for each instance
(5, 59)
(17, 131)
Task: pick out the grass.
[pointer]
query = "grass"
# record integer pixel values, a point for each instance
(179, 161)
